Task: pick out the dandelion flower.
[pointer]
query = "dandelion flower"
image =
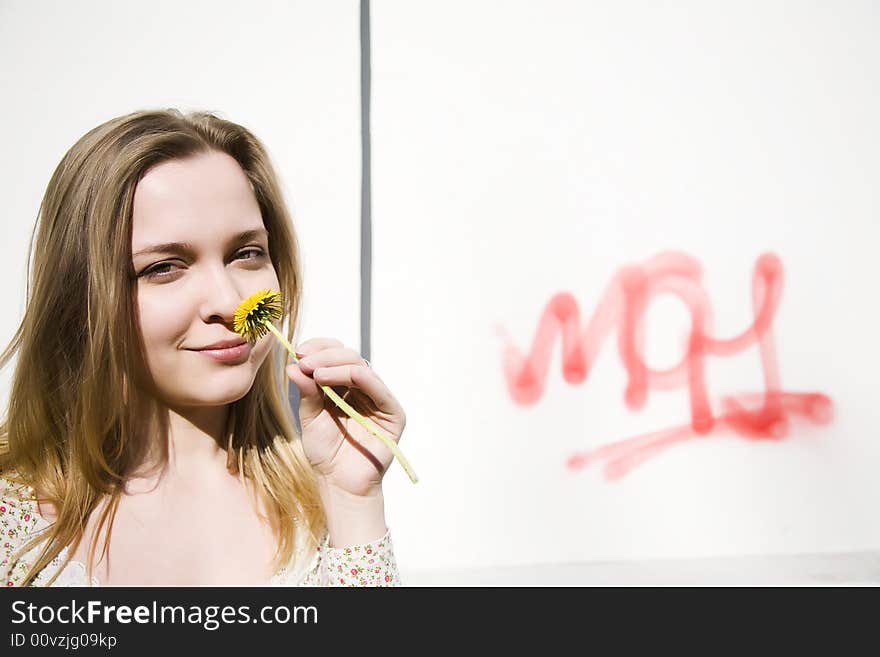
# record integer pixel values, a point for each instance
(253, 313)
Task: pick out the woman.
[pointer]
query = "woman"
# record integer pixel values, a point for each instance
(144, 444)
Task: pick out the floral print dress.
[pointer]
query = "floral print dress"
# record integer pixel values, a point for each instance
(371, 564)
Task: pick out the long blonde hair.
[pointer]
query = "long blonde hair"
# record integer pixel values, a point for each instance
(73, 427)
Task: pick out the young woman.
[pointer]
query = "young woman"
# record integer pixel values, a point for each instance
(145, 443)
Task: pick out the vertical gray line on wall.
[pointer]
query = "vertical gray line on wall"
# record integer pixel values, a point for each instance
(366, 218)
(366, 222)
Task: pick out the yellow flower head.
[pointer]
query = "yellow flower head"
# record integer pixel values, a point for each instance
(253, 313)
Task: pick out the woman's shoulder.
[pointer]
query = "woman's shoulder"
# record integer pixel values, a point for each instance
(16, 493)
(17, 499)
(20, 521)
(19, 512)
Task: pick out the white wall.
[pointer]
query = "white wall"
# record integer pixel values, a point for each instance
(524, 149)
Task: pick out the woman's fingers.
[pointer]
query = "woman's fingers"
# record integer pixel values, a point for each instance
(317, 344)
(331, 356)
(327, 362)
(362, 378)
(311, 397)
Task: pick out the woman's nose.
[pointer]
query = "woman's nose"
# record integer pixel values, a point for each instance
(220, 296)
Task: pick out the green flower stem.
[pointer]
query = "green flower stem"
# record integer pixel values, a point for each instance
(353, 414)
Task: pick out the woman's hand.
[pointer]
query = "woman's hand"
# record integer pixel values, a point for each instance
(341, 450)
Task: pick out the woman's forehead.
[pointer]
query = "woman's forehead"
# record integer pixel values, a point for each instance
(204, 197)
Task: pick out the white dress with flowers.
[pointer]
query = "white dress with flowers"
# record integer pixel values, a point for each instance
(371, 564)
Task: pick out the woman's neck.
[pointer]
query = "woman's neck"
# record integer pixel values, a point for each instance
(195, 439)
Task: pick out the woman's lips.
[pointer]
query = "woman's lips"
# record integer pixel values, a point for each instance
(230, 353)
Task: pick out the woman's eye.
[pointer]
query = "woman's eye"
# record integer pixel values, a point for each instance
(158, 271)
(257, 253)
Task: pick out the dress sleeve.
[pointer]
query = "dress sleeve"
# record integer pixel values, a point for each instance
(371, 564)
(18, 520)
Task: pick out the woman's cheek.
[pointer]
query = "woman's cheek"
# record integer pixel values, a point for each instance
(261, 351)
(159, 331)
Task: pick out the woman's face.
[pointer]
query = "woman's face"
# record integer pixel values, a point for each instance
(187, 293)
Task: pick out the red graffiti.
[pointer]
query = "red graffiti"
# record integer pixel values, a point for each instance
(764, 415)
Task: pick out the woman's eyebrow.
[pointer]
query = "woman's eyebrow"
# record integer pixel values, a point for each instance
(186, 248)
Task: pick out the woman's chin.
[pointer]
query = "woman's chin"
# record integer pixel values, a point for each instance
(216, 392)
(222, 400)
(227, 394)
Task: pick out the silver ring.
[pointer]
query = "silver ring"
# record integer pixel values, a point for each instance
(367, 363)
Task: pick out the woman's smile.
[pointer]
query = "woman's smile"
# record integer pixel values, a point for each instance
(238, 353)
